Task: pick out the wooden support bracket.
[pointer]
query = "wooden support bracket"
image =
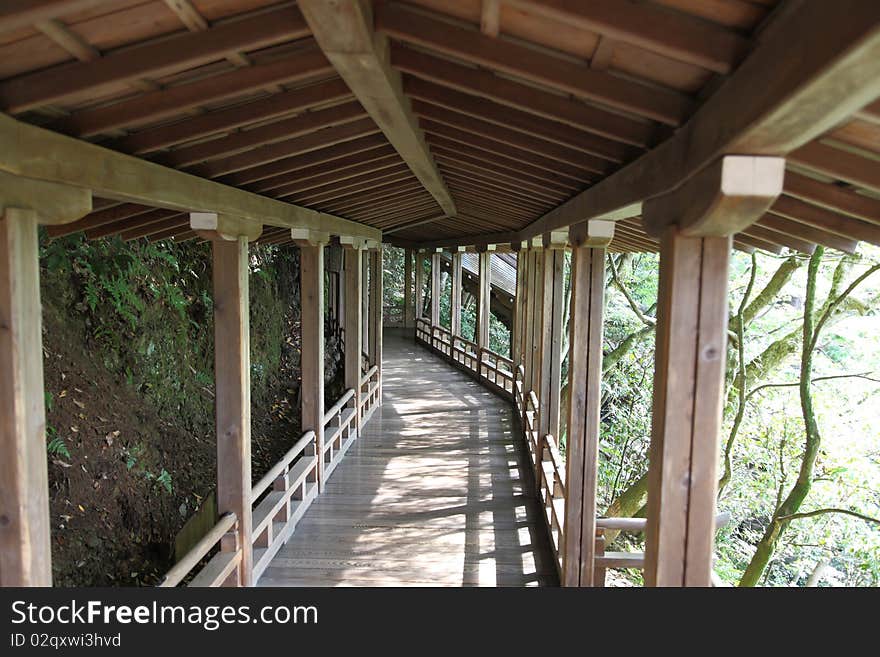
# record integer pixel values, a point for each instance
(53, 203)
(722, 199)
(212, 226)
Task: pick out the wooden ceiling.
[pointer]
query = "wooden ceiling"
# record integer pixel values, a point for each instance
(522, 105)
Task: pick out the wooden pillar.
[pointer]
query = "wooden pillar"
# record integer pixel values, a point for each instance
(516, 337)
(436, 278)
(420, 285)
(365, 306)
(688, 386)
(534, 317)
(694, 223)
(232, 370)
(585, 399)
(484, 307)
(409, 313)
(229, 238)
(25, 558)
(455, 305)
(311, 275)
(25, 553)
(376, 312)
(354, 286)
(552, 311)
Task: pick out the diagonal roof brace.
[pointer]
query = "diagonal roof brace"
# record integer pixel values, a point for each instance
(344, 31)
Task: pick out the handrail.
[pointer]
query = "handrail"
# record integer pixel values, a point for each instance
(369, 375)
(338, 406)
(533, 400)
(198, 551)
(639, 524)
(260, 487)
(498, 357)
(556, 461)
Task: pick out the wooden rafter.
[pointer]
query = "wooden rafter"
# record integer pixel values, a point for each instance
(160, 57)
(533, 65)
(674, 35)
(345, 33)
(173, 100)
(811, 85)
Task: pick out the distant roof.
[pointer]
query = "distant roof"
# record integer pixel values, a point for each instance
(503, 266)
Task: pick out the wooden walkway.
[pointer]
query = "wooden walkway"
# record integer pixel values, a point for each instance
(437, 492)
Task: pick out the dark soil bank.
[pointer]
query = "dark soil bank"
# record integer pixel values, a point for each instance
(128, 346)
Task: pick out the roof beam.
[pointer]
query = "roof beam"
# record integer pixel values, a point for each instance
(832, 197)
(33, 152)
(413, 224)
(177, 99)
(536, 66)
(839, 164)
(673, 35)
(344, 31)
(16, 14)
(550, 106)
(235, 142)
(159, 57)
(232, 118)
(822, 64)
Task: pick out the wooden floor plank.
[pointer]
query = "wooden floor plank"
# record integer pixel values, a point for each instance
(437, 492)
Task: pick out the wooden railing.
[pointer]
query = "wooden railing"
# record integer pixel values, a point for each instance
(488, 367)
(221, 566)
(551, 490)
(340, 431)
(370, 393)
(294, 483)
(497, 370)
(281, 496)
(605, 560)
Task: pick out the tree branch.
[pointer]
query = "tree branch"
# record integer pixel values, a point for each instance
(863, 375)
(821, 512)
(650, 321)
(832, 305)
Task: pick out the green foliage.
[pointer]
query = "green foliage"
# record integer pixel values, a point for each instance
(164, 480)
(769, 446)
(148, 310)
(56, 445)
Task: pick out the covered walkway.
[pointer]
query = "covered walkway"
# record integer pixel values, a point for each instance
(558, 131)
(437, 492)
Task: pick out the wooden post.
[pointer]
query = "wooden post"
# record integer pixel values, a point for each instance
(688, 385)
(311, 263)
(455, 306)
(585, 398)
(232, 374)
(25, 558)
(516, 337)
(229, 238)
(25, 553)
(534, 317)
(353, 324)
(435, 289)
(376, 314)
(694, 223)
(420, 285)
(552, 311)
(365, 306)
(408, 309)
(484, 309)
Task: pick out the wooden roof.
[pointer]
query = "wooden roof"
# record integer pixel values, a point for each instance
(509, 111)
